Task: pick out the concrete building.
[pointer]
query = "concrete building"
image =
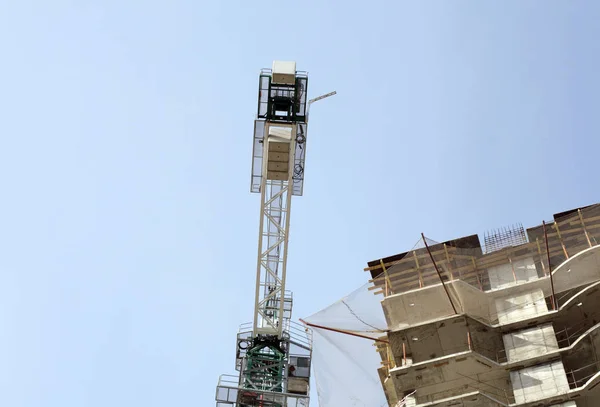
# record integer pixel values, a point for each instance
(512, 322)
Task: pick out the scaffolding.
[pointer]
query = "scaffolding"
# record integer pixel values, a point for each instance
(466, 260)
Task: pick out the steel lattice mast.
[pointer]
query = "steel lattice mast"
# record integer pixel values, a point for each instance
(273, 353)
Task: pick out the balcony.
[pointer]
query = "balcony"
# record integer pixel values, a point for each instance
(460, 333)
(510, 307)
(570, 372)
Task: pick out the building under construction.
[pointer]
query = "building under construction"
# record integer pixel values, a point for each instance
(512, 322)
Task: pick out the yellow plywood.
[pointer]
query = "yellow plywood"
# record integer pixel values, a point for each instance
(279, 147)
(276, 156)
(277, 167)
(277, 176)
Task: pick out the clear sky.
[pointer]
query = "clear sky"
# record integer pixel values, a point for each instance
(127, 231)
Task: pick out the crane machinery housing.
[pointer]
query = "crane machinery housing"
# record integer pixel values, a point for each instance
(273, 353)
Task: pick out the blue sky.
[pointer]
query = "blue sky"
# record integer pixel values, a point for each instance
(128, 232)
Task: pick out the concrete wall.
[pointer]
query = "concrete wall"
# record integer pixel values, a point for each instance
(539, 382)
(450, 377)
(445, 338)
(518, 307)
(595, 340)
(580, 269)
(431, 303)
(486, 341)
(414, 307)
(509, 274)
(390, 391)
(474, 302)
(530, 343)
(426, 342)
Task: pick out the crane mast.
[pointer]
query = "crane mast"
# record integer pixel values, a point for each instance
(273, 353)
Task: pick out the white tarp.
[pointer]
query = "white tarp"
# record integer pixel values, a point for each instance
(345, 366)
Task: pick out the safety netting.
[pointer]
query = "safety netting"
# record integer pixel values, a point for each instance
(345, 358)
(350, 348)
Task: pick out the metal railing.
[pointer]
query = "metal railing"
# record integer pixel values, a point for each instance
(502, 397)
(230, 392)
(565, 338)
(576, 378)
(299, 335)
(294, 331)
(579, 377)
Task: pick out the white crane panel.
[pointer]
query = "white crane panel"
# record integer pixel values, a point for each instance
(284, 72)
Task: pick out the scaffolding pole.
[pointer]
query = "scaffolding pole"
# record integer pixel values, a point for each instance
(341, 331)
(439, 274)
(554, 304)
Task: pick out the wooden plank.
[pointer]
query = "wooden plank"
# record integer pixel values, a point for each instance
(407, 259)
(410, 273)
(395, 272)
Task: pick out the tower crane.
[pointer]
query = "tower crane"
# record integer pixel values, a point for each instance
(273, 353)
